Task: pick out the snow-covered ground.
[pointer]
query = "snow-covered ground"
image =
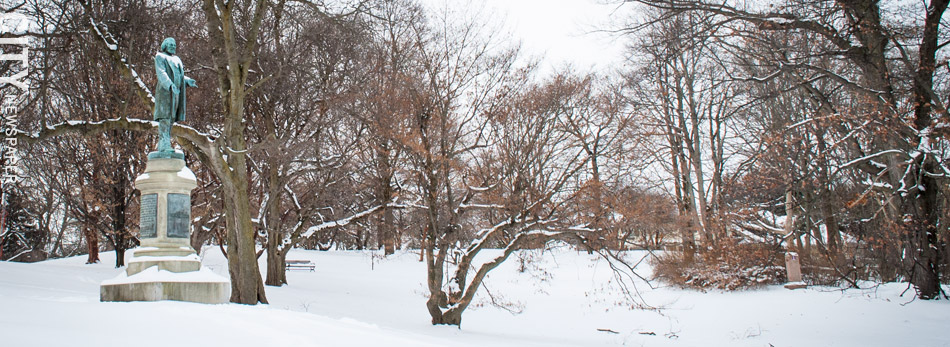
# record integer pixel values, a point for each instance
(358, 299)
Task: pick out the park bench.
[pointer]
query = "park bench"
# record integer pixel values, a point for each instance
(301, 265)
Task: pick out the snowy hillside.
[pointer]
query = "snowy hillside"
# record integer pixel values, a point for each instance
(356, 299)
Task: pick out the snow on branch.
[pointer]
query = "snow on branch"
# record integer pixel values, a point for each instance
(476, 245)
(345, 221)
(482, 206)
(111, 45)
(481, 189)
(867, 158)
(85, 128)
(88, 128)
(484, 234)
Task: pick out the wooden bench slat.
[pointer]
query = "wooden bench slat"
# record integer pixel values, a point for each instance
(300, 264)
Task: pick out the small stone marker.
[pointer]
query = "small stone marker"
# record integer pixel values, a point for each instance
(794, 269)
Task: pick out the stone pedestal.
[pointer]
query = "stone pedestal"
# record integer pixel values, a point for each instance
(165, 214)
(793, 268)
(165, 267)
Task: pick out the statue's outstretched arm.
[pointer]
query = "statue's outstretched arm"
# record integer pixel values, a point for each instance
(190, 82)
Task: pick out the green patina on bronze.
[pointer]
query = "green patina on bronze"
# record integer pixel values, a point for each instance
(179, 215)
(148, 213)
(170, 98)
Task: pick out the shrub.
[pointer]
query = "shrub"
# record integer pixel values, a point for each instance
(730, 265)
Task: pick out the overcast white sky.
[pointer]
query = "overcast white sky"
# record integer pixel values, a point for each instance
(560, 31)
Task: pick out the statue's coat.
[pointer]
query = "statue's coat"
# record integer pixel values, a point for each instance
(168, 104)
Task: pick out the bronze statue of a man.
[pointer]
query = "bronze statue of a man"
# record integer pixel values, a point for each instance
(169, 96)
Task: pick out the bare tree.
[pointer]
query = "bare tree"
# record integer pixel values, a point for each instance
(897, 100)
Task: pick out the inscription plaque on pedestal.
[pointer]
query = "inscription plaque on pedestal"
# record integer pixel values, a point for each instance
(148, 213)
(179, 215)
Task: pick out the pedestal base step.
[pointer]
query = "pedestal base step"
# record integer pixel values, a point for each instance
(164, 251)
(152, 284)
(796, 285)
(187, 263)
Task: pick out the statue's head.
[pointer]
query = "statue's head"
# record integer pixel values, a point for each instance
(168, 46)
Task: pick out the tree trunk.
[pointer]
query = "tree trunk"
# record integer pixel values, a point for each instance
(119, 256)
(276, 261)
(434, 280)
(887, 258)
(199, 238)
(384, 227)
(120, 233)
(276, 275)
(831, 223)
(389, 235)
(58, 250)
(686, 152)
(233, 57)
(717, 143)
(702, 211)
(276, 269)
(694, 149)
(247, 287)
(925, 272)
(791, 216)
(790, 213)
(826, 196)
(92, 245)
(450, 317)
